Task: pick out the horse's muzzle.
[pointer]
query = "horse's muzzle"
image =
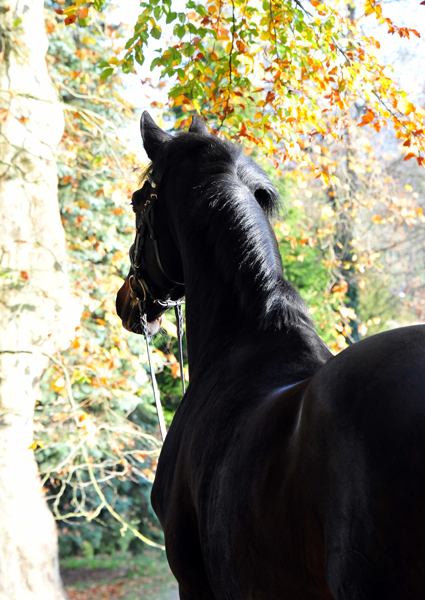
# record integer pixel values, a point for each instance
(127, 304)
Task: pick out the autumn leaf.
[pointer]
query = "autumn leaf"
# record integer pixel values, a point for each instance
(71, 19)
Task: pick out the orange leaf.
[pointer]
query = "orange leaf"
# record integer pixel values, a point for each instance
(70, 20)
(82, 13)
(242, 47)
(409, 109)
(409, 156)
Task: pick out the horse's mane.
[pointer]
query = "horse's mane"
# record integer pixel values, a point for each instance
(235, 202)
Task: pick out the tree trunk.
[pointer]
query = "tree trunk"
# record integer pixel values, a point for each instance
(36, 308)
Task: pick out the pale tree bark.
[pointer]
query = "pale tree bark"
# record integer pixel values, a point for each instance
(37, 313)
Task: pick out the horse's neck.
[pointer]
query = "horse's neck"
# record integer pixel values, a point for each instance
(222, 340)
(236, 294)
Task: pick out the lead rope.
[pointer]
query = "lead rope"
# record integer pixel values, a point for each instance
(179, 321)
(144, 325)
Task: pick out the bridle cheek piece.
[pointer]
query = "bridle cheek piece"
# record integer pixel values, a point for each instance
(144, 225)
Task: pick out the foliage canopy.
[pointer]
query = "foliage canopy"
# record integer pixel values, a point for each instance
(299, 67)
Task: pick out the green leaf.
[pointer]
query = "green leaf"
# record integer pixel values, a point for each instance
(140, 58)
(105, 74)
(188, 49)
(156, 33)
(179, 30)
(172, 16)
(131, 41)
(84, 22)
(155, 63)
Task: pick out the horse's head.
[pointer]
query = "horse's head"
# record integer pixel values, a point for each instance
(156, 274)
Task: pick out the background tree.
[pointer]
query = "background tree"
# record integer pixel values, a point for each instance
(96, 421)
(36, 311)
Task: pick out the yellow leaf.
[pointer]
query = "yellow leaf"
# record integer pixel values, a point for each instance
(409, 109)
(327, 212)
(369, 7)
(254, 48)
(245, 59)
(169, 327)
(228, 48)
(71, 10)
(179, 100)
(347, 313)
(37, 443)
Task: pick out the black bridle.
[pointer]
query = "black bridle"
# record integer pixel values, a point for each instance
(144, 227)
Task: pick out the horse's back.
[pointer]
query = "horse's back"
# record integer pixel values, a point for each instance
(365, 418)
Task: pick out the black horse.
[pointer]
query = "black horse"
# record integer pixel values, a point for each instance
(287, 473)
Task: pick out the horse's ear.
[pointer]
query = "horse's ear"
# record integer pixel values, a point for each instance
(152, 135)
(198, 126)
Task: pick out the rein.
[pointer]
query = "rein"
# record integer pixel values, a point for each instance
(144, 224)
